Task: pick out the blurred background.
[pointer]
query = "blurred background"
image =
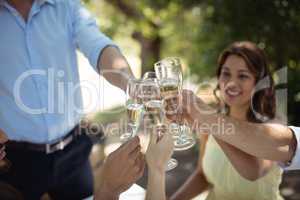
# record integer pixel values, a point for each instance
(196, 31)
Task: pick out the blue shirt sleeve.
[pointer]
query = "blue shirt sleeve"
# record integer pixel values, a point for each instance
(88, 38)
(295, 162)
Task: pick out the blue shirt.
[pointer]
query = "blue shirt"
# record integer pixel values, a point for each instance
(295, 162)
(40, 98)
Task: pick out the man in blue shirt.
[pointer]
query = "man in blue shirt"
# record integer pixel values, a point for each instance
(40, 101)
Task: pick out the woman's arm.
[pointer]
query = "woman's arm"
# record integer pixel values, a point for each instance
(197, 182)
(266, 141)
(156, 186)
(270, 141)
(158, 154)
(248, 166)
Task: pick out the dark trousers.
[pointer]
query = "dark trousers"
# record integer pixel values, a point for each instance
(64, 174)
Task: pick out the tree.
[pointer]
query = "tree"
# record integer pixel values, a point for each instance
(198, 30)
(149, 22)
(273, 25)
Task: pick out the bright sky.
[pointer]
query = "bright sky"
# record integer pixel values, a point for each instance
(98, 94)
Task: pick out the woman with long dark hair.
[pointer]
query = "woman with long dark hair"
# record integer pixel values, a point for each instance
(245, 91)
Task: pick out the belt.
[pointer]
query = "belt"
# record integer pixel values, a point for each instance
(47, 148)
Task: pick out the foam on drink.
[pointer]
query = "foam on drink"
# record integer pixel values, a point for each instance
(134, 112)
(154, 111)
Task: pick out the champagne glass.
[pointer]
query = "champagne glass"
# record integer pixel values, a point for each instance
(151, 75)
(134, 109)
(169, 75)
(154, 112)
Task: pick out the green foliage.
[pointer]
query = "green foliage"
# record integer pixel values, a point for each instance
(294, 95)
(198, 30)
(274, 25)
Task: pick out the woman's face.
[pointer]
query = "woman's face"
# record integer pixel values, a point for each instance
(236, 82)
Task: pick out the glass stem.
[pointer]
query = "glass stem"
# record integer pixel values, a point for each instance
(133, 130)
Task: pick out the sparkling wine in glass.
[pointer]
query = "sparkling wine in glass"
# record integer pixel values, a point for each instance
(134, 109)
(169, 75)
(154, 111)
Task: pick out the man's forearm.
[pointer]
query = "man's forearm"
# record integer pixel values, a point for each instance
(114, 67)
(104, 194)
(3, 137)
(268, 141)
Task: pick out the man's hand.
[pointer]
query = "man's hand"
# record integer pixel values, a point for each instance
(121, 169)
(3, 139)
(159, 150)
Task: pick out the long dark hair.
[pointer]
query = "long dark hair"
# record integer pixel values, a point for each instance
(263, 101)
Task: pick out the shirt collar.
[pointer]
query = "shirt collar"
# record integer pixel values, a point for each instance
(41, 2)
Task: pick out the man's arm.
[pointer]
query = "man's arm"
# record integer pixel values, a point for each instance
(114, 67)
(3, 140)
(105, 194)
(100, 50)
(120, 170)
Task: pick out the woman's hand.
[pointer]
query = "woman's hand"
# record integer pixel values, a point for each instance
(192, 108)
(158, 154)
(160, 149)
(3, 139)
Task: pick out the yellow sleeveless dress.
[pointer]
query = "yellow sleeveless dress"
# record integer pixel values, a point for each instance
(228, 184)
